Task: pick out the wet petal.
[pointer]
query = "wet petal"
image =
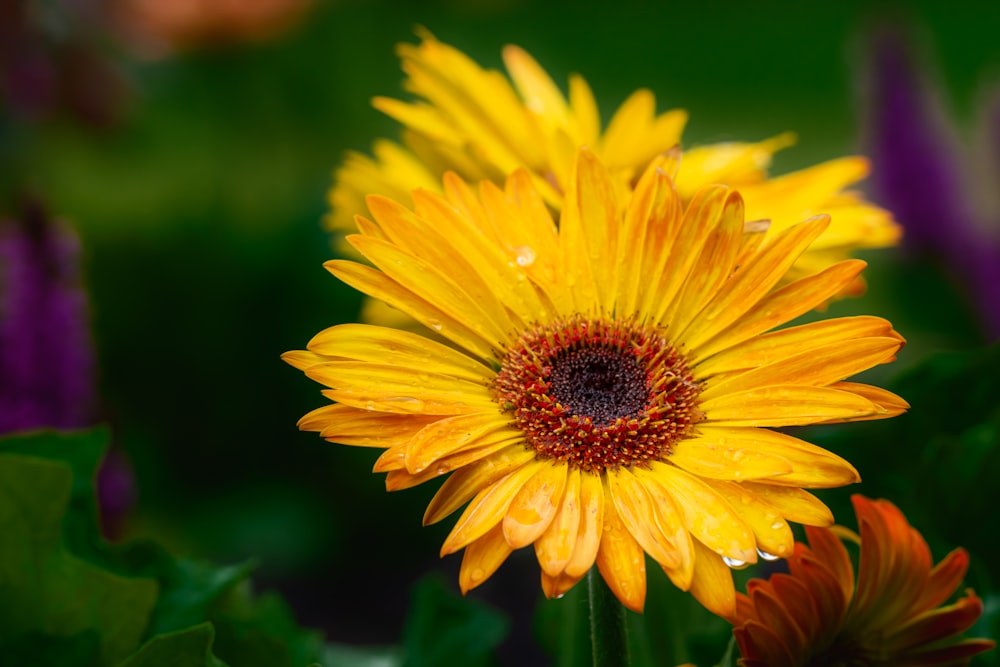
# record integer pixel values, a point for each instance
(482, 558)
(555, 546)
(487, 509)
(466, 482)
(622, 562)
(588, 538)
(535, 505)
(708, 516)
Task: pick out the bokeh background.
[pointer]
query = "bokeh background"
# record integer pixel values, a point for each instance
(194, 164)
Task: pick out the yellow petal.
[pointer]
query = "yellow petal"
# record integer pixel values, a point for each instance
(765, 349)
(712, 584)
(588, 538)
(586, 219)
(677, 259)
(819, 366)
(753, 281)
(786, 405)
(482, 558)
(780, 306)
(735, 163)
(301, 359)
(540, 94)
(889, 404)
(793, 503)
(466, 482)
(535, 505)
(363, 428)
(476, 311)
(487, 509)
(810, 466)
(393, 389)
(636, 511)
(622, 562)
(770, 530)
(376, 344)
(706, 458)
(399, 478)
(558, 585)
(715, 265)
(706, 513)
(378, 285)
(555, 546)
(452, 434)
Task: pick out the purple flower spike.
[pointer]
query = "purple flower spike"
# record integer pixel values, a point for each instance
(922, 172)
(46, 355)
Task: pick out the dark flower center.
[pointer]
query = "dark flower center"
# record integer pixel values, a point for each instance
(603, 384)
(598, 394)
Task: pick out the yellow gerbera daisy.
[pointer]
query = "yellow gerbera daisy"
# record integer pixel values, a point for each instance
(483, 126)
(613, 379)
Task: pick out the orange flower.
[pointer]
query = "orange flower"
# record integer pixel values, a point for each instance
(819, 615)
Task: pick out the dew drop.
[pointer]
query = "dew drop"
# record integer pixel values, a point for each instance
(525, 255)
(434, 324)
(776, 525)
(476, 575)
(734, 563)
(559, 597)
(767, 556)
(370, 406)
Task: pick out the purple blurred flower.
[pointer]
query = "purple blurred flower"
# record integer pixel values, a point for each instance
(924, 174)
(46, 355)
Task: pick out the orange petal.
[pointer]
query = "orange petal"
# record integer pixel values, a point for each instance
(622, 562)
(708, 516)
(588, 538)
(712, 584)
(636, 510)
(451, 434)
(487, 509)
(482, 558)
(555, 546)
(466, 482)
(535, 505)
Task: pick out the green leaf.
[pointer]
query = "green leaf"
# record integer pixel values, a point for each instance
(82, 451)
(342, 655)
(46, 590)
(261, 631)
(191, 647)
(444, 629)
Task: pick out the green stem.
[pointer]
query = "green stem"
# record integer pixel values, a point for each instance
(608, 631)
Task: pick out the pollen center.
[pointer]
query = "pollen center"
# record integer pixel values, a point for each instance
(602, 383)
(598, 394)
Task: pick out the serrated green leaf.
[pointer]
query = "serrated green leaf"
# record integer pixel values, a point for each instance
(444, 629)
(191, 647)
(46, 590)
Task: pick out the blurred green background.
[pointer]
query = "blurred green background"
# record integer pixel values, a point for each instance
(200, 219)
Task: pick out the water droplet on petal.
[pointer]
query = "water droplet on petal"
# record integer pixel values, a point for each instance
(559, 597)
(767, 556)
(777, 525)
(734, 563)
(433, 324)
(525, 255)
(476, 575)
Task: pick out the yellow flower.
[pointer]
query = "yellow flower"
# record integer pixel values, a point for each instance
(483, 126)
(818, 614)
(613, 381)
